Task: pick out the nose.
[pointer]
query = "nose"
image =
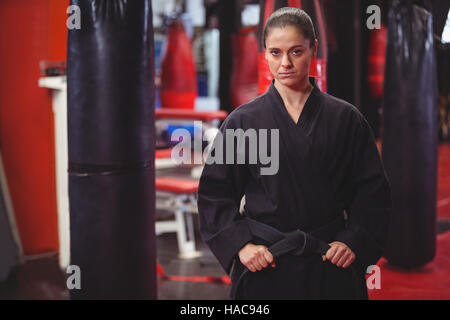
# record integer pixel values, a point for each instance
(286, 62)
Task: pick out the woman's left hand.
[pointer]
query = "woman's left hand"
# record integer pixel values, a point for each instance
(339, 254)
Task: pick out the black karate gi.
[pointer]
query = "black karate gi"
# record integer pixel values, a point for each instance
(329, 169)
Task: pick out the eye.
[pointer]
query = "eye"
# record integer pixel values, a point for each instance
(275, 52)
(297, 52)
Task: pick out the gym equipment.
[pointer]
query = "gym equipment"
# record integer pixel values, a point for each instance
(244, 77)
(178, 76)
(111, 150)
(410, 134)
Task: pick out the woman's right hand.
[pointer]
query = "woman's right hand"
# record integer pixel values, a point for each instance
(256, 257)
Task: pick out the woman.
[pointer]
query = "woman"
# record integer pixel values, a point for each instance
(330, 187)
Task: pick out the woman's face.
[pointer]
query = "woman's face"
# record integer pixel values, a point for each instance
(289, 55)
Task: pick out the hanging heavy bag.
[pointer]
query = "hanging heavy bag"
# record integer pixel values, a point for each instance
(264, 75)
(410, 134)
(376, 61)
(178, 75)
(111, 150)
(244, 78)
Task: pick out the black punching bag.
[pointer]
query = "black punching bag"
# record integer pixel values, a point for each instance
(111, 150)
(410, 134)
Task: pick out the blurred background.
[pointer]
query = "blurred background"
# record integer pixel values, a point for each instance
(207, 61)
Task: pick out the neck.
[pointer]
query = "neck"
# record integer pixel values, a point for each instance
(294, 96)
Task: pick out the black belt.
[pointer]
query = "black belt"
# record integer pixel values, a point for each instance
(295, 242)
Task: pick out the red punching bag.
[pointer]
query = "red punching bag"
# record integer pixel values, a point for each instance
(318, 68)
(244, 79)
(376, 61)
(264, 74)
(178, 76)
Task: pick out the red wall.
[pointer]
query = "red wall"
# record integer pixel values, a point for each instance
(30, 31)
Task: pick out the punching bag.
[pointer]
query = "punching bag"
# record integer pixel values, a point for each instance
(178, 76)
(318, 67)
(244, 78)
(264, 75)
(111, 150)
(376, 61)
(410, 134)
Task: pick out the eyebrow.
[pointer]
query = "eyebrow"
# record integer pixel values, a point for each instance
(297, 45)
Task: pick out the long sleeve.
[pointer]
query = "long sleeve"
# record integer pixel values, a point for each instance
(220, 192)
(369, 206)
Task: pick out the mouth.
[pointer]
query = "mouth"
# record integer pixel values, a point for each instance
(286, 74)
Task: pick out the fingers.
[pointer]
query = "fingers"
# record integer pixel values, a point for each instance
(262, 259)
(250, 267)
(259, 263)
(330, 253)
(349, 261)
(339, 254)
(257, 258)
(269, 258)
(345, 256)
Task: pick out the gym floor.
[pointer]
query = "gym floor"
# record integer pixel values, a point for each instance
(41, 277)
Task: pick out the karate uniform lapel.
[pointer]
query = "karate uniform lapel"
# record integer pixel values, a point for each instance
(296, 143)
(298, 134)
